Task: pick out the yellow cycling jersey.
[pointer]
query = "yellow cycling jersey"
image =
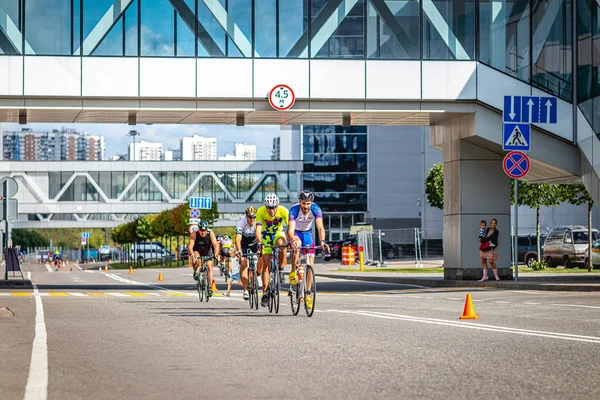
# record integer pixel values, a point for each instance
(272, 225)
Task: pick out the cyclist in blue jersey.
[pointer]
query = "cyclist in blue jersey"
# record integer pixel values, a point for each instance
(301, 219)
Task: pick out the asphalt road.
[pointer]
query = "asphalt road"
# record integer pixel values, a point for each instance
(111, 335)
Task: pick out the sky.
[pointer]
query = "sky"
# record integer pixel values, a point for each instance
(117, 140)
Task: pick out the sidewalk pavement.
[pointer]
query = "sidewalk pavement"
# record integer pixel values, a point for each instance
(551, 281)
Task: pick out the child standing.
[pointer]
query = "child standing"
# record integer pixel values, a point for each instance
(234, 274)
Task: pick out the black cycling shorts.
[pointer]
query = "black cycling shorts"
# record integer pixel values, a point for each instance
(225, 252)
(251, 244)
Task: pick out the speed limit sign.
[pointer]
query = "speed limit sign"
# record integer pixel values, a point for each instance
(282, 97)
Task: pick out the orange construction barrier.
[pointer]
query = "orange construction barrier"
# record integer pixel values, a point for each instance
(348, 256)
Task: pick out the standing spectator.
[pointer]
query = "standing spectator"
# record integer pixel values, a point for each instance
(488, 250)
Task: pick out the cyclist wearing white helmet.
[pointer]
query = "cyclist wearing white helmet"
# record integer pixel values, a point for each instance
(245, 239)
(302, 217)
(270, 219)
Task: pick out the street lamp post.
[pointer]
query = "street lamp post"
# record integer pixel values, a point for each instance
(133, 134)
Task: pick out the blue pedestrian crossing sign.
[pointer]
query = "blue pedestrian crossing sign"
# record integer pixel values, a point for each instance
(516, 137)
(204, 203)
(530, 109)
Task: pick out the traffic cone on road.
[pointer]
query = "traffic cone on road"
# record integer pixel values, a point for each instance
(469, 311)
(130, 270)
(106, 268)
(213, 287)
(160, 278)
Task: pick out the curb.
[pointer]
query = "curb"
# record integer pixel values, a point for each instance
(571, 287)
(16, 284)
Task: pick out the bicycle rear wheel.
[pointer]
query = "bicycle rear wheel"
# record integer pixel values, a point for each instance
(310, 274)
(256, 292)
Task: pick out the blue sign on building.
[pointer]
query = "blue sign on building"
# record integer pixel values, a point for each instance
(516, 137)
(204, 203)
(530, 109)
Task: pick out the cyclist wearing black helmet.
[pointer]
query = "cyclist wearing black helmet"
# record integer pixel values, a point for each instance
(302, 217)
(203, 243)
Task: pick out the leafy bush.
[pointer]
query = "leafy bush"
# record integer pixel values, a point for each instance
(538, 266)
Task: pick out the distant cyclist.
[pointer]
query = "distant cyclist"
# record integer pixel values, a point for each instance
(270, 219)
(203, 243)
(302, 217)
(57, 257)
(245, 239)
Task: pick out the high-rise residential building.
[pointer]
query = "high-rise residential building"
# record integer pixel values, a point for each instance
(167, 155)
(287, 145)
(243, 151)
(198, 148)
(65, 144)
(145, 151)
(276, 152)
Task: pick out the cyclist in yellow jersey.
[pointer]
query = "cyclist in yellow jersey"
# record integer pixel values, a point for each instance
(270, 219)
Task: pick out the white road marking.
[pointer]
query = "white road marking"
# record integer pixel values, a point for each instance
(5, 294)
(474, 325)
(37, 382)
(574, 305)
(45, 294)
(49, 268)
(77, 294)
(77, 265)
(527, 292)
(530, 303)
(118, 294)
(162, 289)
(370, 282)
(503, 302)
(29, 275)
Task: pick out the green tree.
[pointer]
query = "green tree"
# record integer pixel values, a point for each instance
(434, 186)
(578, 195)
(28, 239)
(143, 227)
(536, 195)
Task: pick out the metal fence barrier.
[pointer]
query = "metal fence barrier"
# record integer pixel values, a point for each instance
(381, 245)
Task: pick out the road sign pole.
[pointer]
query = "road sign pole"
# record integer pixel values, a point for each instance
(516, 231)
(5, 220)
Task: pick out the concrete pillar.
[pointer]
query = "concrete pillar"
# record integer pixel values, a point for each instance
(475, 188)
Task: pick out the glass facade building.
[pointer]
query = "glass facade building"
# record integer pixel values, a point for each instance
(531, 40)
(335, 169)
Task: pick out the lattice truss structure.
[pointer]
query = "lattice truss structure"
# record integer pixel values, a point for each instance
(122, 195)
(326, 19)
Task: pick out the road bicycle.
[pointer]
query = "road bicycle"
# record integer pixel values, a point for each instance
(304, 273)
(223, 267)
(203, 285)
(275, 279)
(252, 287)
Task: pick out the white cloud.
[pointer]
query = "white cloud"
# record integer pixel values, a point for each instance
(117, 139)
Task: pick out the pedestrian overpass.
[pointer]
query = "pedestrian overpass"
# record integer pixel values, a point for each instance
(446, 80)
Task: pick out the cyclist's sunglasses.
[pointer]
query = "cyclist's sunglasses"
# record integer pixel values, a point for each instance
(272, 208)
(201, 230)
(251, 216)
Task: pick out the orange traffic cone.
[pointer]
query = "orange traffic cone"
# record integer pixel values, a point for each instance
(130, 269)
(160, 278)
(469, 312)
(213, 287)
(106, 268)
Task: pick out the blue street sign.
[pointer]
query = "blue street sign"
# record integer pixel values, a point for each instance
(204, 203)
(516, 137)
(548, 110)
(194, 213)
(85, 235)
(516, 164)
(512, 109)
(530, 109)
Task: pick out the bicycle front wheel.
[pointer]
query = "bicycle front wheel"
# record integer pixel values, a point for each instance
(256, 280)
(200, 288)
(206, 286)
(276, 290)
(310, 276)
(250, 288)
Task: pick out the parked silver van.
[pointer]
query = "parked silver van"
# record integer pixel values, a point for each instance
(567, 245)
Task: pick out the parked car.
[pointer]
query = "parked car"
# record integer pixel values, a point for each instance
(184, 253)
(106, 253)
(567, 245)
(595, 254)
(150, 251)
(527, 251)
(335, 247)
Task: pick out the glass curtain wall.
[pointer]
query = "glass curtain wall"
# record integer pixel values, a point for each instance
(530, 40)
(588, 61)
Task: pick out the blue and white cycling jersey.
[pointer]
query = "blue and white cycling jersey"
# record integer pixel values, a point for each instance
(304, 222)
